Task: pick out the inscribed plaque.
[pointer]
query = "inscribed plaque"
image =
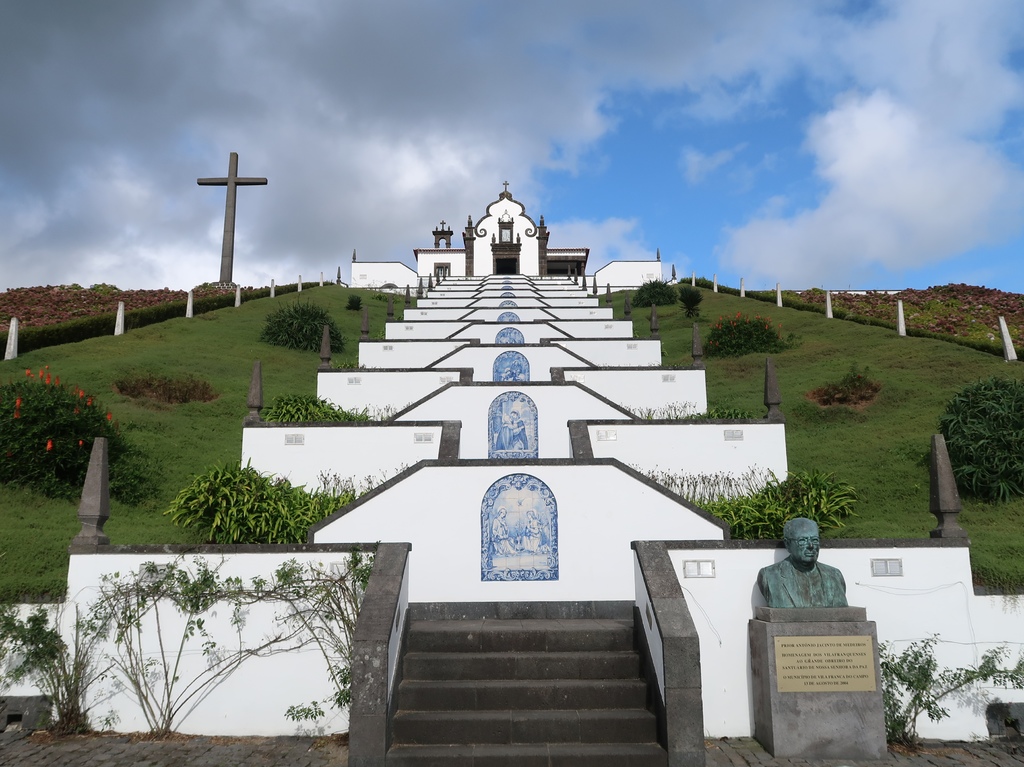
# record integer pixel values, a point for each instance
(825, 664)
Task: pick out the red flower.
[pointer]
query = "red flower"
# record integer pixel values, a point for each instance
(109, 416)
(49, 445)
(17, 403)
(81, 442)
(88, 401)
(47, 379)
(28, 373)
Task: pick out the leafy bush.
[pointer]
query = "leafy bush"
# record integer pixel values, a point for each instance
(46, 435)
(853, 388)
(235, 504)
(744, 335)
(690, 297)
(300, 325)
(355, 303)
(718, 412)
(300, 408)
(913, 684)
(657, 292)
(984, 430)
(816, 495)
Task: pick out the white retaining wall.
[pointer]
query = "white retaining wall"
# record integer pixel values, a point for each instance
(934, 596)
(555, 406)
(404, 354)
(601, 509)
(627, 274)
(365, 453)
(421, 330)
(373, 274)
(487, 332)
(642, 390)
(615, 352)
(694, 448)
(380, 390)
(481, 360)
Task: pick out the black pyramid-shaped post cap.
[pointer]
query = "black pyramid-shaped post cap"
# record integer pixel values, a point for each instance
(772, 396)
(325, 348)
(419, 288)
(430, 282)
(944, 501)
(94, 508)
(255, 399)
(697, 349)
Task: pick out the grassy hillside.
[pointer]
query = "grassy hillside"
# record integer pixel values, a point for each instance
(881, 450)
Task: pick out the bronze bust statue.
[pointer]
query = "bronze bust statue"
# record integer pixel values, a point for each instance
(800, 580)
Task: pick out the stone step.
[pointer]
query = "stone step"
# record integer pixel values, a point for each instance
(540, 755)
(519, 635)
(593, 664)
(481, 695)
(514, 727)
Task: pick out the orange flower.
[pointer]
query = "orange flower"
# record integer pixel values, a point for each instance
(56, 381)
(28, 373)
(17, 403)
(49, 445)
(81, 442)
(47, 379)
(88, 401)
(109, 416)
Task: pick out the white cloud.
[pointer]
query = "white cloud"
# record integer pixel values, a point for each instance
(610, 239)
(697, 166)
(901, 193)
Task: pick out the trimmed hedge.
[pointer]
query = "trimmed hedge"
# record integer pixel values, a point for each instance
(30, 339)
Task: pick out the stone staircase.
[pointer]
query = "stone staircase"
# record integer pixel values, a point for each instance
(523, 692)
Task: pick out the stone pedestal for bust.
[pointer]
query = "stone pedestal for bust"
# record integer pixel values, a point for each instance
(817, 683)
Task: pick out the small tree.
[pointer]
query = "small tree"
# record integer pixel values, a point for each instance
(691, 297)
(913, 684)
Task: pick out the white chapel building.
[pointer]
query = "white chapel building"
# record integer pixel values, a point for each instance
(504, 241)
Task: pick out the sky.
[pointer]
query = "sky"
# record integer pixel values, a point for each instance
(856, 144)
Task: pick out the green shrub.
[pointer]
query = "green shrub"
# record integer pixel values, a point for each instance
(656, 292)
(984, 430)
(355, 303)
(718, 412)
(46, 435)
(816, 495)
(301, 408)
(690, 298)
(744, 335)
(300, 325)
(235, 504)
(853, 388)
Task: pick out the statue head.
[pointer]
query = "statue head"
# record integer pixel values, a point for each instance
(802, 542)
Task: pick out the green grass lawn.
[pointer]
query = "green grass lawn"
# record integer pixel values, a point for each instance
(881, 449)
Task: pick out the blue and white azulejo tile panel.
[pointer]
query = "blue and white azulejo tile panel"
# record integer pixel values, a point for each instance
(507, 294)
(512, 336)
(512, 426)
(508, 317)
(510, 304)
(510, 366)
(519, 531)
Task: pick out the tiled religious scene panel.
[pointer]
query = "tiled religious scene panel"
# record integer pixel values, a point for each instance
(511, 366)
(507, 294)
(519, 531)
(512, 426)
(508, 317)
(512, 336)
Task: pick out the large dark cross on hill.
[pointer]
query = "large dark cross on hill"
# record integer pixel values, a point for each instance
(227, 251)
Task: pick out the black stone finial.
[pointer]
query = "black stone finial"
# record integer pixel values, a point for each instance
(944, 502)
(430, 282)
(325, 348)
(628, 307)
(255, 399)
(659, 254)
(608, 294)
(772, 397)
(673, 272)
(94, 508)
(391, 307)
(654, 321)
(584, 280)
(353, 256)
(697, 350)
(595, 284)
(408, 297)
(364, 327)
(338, 281)
(419, 288)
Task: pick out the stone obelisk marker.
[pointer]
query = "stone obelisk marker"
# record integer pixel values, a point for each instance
(227, 252)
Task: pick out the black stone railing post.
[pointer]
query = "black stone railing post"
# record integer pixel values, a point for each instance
(391, 307)
(627, 307)
(608, 294)
(419, 288)
(772, 396)
(654, 321)
(681, 714)
(584, 281)
(944, 502)
(697, 349)
(369, 711)
(94, 509)
(430, 282)
(325, 348)
(408, 297)
(255, 399)
(364, 327)
(595, 285)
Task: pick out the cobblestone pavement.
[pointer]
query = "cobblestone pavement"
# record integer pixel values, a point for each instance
(19, 749)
